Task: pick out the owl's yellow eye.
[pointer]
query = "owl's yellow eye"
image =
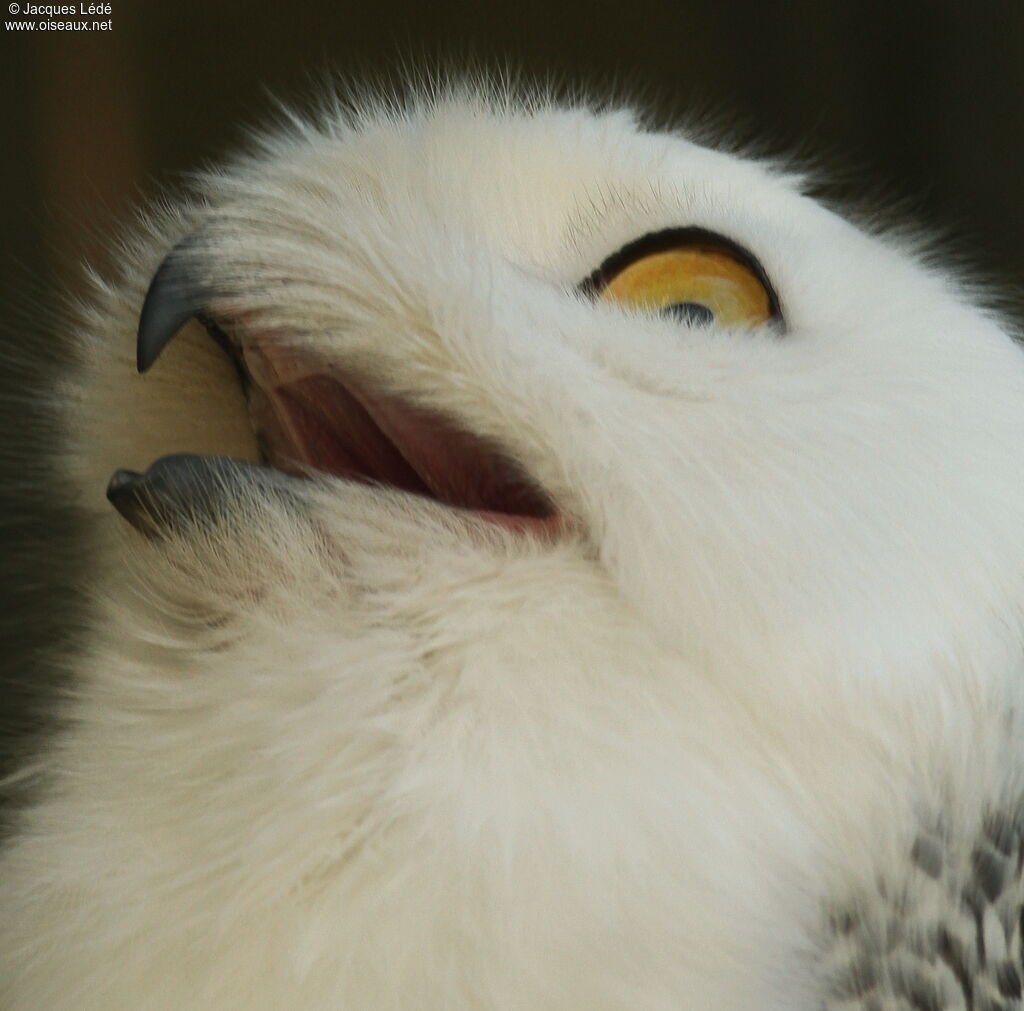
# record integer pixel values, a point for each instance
(698, 276)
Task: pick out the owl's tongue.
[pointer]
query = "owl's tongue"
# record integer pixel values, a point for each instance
(309, 416)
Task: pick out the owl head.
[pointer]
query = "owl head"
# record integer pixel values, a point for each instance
(562, 558)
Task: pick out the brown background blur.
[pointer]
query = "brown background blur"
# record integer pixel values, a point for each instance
(920, 102)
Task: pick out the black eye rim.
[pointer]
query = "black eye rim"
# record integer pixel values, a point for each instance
(676, 238)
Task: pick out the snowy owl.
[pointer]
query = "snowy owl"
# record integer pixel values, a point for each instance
(537, 563)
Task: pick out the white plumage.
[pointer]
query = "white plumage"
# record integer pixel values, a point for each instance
(735, 724)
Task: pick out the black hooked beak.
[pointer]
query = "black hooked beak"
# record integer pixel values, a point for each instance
(183, 490)
(176, 294)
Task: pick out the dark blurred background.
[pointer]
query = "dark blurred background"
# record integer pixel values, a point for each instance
(919, 104)
(925, 100)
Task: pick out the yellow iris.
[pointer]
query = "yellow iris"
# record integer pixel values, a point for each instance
(698, 276)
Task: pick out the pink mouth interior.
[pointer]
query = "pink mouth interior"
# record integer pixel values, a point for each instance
(308, 416)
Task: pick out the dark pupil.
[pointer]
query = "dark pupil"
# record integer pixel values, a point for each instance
(691, 313)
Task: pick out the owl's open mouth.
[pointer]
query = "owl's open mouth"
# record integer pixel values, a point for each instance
(309, 414)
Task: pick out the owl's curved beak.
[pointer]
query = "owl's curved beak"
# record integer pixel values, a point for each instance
(176, 294)
(310, 414)
(185, 490)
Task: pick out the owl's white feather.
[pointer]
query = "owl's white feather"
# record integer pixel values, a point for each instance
(732, 738)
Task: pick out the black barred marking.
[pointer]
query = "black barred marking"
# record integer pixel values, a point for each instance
(1008, 979)
(927, 854)
(945, 933)
(952, 953)
(1003, 833)
(990, 872)
(859, 980)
